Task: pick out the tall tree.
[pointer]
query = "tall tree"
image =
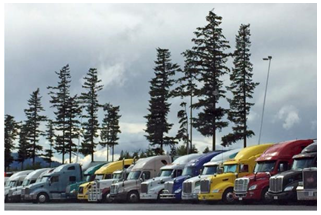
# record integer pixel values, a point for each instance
(24, 147)
(10, 134)
(110, 128)
(34, 118)
(182, 133)
(181, 150)
(50, 136)
(210, 58)
(90, 102)
(242, 88)
(73, 125)
(160, 92)
(59, 99)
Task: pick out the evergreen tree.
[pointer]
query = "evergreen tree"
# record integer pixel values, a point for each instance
(242, 88)
(110, 128)
(182, 133)
(50, 135)
(59, 100)
(24, 147)
(210, 59)
(90, 102)
(181, 150)
(73, 111)
(34, 118)
(10, 134)
(206, 150)
(157, 125)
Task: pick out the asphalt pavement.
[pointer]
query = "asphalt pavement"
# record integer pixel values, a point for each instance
(153, 206)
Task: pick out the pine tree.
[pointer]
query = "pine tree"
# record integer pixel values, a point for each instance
(157, 125)
(181, 150)
(59, 100)
(110, 128)
(73, 111)
(34, 118)
(10, 135)
(206, 150)
(90, 102)
(182, 133)
(210, 59)
(242, 88)
(50, 135)
(24, 148)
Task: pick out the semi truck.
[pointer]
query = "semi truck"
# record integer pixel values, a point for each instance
(100, 189)
(145, 168)
(15, 192)
(89, 175)
(14, 181)
(220, 186)
(104, 172)
(191, 186)
(274, 160)
(152, 188)
(282, 186)
(173, 188)
(307, 189)
(53, 185)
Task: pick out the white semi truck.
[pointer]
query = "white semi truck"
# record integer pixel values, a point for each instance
(14, 181)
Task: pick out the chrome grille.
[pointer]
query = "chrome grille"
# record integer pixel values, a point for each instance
(93, 192)
(241, 184)
(169, 186)
(144, 188)
(113, 189)
(205, 186)
(187, 187)
(310, 179)
(276, 184)
(80, 190)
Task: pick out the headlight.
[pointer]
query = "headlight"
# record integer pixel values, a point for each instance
(289, 188)
(178, 190)
(253, 187)
(216, 191)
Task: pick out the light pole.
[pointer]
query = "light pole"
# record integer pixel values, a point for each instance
(269, 58)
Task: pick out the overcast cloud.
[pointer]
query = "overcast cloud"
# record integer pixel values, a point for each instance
(120, 40)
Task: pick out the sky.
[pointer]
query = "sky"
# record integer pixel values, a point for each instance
(120, 40)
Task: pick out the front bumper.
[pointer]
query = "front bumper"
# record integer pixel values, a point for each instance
(119, 196)
(253, 195)
(209, 196)
(310, 195)
(14, 198)
(189, 196)
(282, 196)
(149, 196)
(82, 196)
(29, 197)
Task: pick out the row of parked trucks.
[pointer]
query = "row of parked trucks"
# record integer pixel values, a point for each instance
(267, 172)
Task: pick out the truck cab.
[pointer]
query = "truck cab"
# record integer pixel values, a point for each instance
(53, 185)
(14, 181)
(152, 188)
(104, 172)
(89, 175)
(145, 168)
(283, 185)
(173, 188)
(307, 189)
(274, 160)
(191, 186)
(31, 178)
(220, 187)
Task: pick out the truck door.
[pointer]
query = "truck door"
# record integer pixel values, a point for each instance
(54, 186)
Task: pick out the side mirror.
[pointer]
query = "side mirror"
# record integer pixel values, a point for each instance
(282, 168)
(220, 171)
(143, 177)
(236, 174)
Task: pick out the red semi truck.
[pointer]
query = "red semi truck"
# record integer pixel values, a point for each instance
(275, 159)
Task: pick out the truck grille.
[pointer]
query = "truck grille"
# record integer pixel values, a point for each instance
(80, 190)
(113, 189)
(93, 192)
(241, 184)
(276, 184)
(310, 179)
(205, 186)
(144, 188)
(187, 187)
(169, 186)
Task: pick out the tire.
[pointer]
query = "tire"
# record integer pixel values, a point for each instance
(133, 197)
(264, 197)
(228, 196)
(159, 193)
(42, 198)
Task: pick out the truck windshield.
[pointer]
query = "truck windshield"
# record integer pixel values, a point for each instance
(230, 168)
(118, 175)
(188, 171)
(12, 183)
(26, 182)
(45, 179)
(99, 177)
(264, 166)
(299, 164)
(133, 175)
(166, 172)
(209, 170)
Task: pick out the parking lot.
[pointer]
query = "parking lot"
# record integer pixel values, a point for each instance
(154, 206)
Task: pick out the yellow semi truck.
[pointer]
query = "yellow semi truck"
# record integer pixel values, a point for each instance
(220, 186)
(105, 172)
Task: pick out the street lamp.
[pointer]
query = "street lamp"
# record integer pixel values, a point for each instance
(269, 58)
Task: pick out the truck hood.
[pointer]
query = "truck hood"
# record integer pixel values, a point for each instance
(196, 178)
(226, 177)
(36, 185)
(258, 176)
(84, 184)
(181, 179)
(154, 181)
(290, 176)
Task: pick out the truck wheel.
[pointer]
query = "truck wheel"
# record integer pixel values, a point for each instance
(264, 197)
(228, 196)
(133, 197)
(42, 198)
